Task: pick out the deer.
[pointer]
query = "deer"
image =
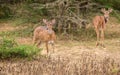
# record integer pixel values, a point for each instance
(99, 23)
(45, 34)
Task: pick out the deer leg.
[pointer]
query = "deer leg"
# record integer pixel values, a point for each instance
(102, 38)
(38, 43)
(47, 47)
(98, 37)
(52, 44)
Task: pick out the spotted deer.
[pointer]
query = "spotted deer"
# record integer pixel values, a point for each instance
(45, 34)
(99, 23)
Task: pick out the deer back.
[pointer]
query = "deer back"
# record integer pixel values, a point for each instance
(99, 21)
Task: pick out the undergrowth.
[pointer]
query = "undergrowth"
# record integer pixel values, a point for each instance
(10, 49)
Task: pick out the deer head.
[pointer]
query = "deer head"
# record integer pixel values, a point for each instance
(106, 12)
(49, 24)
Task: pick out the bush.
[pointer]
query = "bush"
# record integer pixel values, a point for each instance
(5, 11)
(10, 49)
(110, 3)
(25, 50)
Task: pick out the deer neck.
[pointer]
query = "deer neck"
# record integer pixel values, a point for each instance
(105, 19)
(50, 31)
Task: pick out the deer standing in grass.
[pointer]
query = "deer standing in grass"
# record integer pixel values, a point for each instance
(45, 34)
(99, 23)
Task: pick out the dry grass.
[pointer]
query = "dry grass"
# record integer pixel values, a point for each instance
(87, 64)
(4, 27)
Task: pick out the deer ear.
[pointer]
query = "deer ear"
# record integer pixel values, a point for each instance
(45, 21)
(53, 21)
(103, 10)
(110, 10)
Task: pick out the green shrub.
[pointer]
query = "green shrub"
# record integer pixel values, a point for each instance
(7, 44)
(109, 3)
(25, 50)
(10, 49)
(5, 11)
